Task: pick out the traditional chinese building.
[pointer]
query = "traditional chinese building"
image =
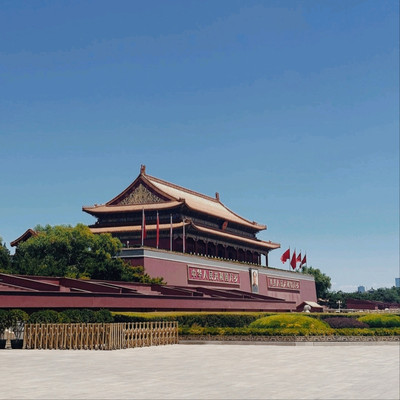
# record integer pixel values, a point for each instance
(188, 222)
(193, 240)
(209, 256)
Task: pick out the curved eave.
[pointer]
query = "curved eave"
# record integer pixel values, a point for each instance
(241, 221)
(107, 209)
(225, 235)
(25, 236)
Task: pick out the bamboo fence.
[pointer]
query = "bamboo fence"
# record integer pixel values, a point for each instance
(89, 336)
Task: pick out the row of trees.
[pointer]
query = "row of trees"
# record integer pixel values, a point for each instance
(73, 252)
(331, 298)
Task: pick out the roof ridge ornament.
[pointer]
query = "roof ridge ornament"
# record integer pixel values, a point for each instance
(143, 169)
(217, 196)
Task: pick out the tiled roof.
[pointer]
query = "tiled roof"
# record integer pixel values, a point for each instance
(202, 203)
(225, 235)
(172, 195)
(207, 231)
(104, 209)
(25, 236)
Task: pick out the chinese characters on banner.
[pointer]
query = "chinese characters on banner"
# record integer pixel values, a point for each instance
(215, 276)
(279, 283)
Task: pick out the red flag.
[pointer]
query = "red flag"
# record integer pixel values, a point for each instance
(304, 261)
(285, 256)
(299, 257)
(293, 261)
(158, 231)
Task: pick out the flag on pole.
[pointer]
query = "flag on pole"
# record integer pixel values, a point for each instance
(158, 231)
(299, 257)
(293, 261)
(170, 233)
(285, 256)
(143, 226)
(304, 260)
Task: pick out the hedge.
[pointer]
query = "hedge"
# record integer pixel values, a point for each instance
(381, 320)
(193, 319)
(225, 323)
(71, 316)
(290, 322)
(340, 322)
(249, 331)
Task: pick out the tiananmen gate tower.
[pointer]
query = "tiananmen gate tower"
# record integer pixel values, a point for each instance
(209, 256)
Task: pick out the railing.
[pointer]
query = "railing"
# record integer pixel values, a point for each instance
(100, 336)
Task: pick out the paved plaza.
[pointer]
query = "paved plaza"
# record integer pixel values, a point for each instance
(204, 371)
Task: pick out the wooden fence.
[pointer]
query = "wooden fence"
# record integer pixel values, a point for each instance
(100, 336)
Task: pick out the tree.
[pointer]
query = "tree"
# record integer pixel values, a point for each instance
(322, 281)
(5, 258)
(74, 252)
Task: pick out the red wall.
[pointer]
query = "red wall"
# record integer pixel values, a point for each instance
(175, 273)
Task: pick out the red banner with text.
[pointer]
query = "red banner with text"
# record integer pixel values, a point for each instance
(206, 275)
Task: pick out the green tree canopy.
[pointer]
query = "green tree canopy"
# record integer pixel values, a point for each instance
(75, 252)
(5, 258)
(386, 295)
(322, 281)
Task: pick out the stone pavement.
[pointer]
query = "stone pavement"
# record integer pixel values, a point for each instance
(204, 371)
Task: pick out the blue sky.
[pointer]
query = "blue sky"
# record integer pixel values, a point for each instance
(289, 109)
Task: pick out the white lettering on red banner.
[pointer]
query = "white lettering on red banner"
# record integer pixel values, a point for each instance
(204, 275)
(279, 283)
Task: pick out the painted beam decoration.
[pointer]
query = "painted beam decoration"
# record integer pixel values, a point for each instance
(206, 275)
(279, 283)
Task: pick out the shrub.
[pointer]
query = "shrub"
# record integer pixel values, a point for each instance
(368, 332)
(340, 322)
(44, 317)
(251, 331)
(289, 322)
(381, 320)
(193, 319)
(16, 321)
(3, 321)
(103, 316)
(217, 320)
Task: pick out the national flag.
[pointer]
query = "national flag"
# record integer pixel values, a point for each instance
(293, 261)
(304, 261)
(158, 231)
(285, 256)
(298, 259)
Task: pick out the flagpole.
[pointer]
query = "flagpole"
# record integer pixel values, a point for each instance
(183, 241)
(142, 224)
(158, 231)
(170, 233)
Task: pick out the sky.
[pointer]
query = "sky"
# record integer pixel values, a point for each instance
(288, 109)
